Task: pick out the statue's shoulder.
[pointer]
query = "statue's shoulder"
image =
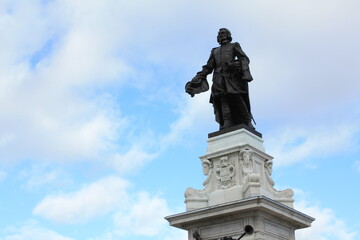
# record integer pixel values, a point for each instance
(214, 50)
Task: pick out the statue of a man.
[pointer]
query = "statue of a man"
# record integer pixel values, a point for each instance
(229, 91)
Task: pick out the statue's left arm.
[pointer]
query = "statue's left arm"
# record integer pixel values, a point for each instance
(245, 61)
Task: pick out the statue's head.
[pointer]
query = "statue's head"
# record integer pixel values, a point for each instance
(224, 36)
(246, 154)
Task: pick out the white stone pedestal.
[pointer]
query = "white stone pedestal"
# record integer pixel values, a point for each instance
(239, 191)
(237, 167)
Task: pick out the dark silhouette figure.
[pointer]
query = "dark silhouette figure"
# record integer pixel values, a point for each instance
(229, 91)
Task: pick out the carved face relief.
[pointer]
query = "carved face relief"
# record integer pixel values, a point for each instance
(268, 166)
(206, 168)
(246, 157)
(246, 161)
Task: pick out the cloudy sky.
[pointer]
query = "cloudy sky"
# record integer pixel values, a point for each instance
(98, 140)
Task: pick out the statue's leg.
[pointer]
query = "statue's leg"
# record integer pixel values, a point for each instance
(242, 113)
(217, 110)
(226, 113)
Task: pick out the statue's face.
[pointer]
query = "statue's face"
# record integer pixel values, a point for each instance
(246, 157)
(223, 36)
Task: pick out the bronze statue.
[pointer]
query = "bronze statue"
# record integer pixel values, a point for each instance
(229, 91)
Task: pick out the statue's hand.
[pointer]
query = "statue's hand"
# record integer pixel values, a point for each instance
(197, 85)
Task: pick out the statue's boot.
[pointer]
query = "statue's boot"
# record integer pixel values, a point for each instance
(227, 123)
(247, 121)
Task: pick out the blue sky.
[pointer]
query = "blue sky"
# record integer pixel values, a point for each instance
(98, 140)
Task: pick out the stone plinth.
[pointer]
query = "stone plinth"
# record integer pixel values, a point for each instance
(236, 138)
(237, 167)
(270, 219)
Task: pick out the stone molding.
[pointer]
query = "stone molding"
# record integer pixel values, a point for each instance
(269, 218)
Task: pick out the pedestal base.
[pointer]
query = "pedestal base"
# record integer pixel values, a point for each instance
(270, 219)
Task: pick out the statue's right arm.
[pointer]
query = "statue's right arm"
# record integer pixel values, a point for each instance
(209, 67)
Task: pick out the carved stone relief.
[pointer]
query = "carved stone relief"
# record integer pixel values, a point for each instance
(208, 183)
(268, 171)
(225, 172)
(246, 161)
(247, 166)
(284, 194)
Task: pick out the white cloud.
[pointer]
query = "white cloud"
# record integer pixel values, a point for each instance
(326, 226)
(196, 114)
(40, 175)
(58, 128)
(33, 231)
(132, 160)
(45, 113)
(297, 144)
(144, 217)
(139, 214)
(89, 202)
